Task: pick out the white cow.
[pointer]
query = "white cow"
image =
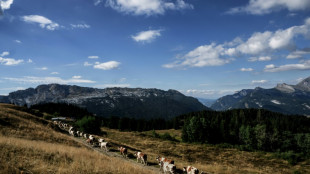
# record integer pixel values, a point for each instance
(167, 167)
(105, 145)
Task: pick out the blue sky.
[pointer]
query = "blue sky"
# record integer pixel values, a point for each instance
(203, 48)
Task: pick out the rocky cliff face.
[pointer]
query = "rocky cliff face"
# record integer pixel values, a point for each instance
(130, 102)
(284, 98)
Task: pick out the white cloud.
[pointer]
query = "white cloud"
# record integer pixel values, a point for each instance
(257, 44)
(298, 54)
(18, 41)
(42, 68)
(6, 4)
(97, 2)
(81, 26)
(30, 61)
(259, 81)
(77, 77)
(260, 7)
(246, 69)
(47, 80)
(54, 73)
(146, 36)
(207, 55)
(288, 67)
(93, 57)
(262, 58)
(42, 21)
(107, 65)
(87, 64)
(147, 7)
(10, 61)
(5, 53)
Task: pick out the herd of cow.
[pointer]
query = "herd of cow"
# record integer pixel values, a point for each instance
(166, 165)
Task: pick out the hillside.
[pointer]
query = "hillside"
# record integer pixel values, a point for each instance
(122, 102)
(31, 145)
(284, 98)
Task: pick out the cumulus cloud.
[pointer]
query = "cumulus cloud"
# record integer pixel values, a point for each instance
(262, 58)
(146, 36)
(29, 61)
(47, 80)
(42, 21)
(93, 57)
(81, 26)
(257, 44)
(207, 55)
(288, 67)
(9, 61)
(107, 65)
(147, 7)
(54, 73)
(246, 69)
(260, 7)
(6, 4)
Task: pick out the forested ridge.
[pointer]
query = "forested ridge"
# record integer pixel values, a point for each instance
(250, 129)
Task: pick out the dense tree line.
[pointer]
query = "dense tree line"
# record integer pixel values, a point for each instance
(251, 129)
(132, 124)
(62, 109)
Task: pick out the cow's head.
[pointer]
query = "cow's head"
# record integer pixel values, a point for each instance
(157, 158)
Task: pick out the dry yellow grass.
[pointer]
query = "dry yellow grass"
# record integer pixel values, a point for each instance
(30, 145)
(207, 158)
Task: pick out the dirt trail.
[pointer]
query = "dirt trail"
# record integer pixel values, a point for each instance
(114, 153)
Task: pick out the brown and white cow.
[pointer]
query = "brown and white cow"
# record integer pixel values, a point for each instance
(163, 159)
(142, 157)
(191, 170)
(123, 151)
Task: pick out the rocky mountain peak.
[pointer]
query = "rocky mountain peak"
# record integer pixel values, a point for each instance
(304, 84)
(283, 87)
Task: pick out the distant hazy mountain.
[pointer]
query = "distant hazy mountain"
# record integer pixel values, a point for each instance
(284, 98)
(130, 102)
(206, 102)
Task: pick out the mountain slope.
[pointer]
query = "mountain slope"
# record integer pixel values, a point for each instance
(284, 98)
(129, 102)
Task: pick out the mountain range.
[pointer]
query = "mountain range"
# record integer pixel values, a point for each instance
(122, 102)
(284, 98)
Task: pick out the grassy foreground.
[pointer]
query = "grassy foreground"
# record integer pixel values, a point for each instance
(31, 145)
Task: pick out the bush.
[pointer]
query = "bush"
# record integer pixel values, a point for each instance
(89, 124)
